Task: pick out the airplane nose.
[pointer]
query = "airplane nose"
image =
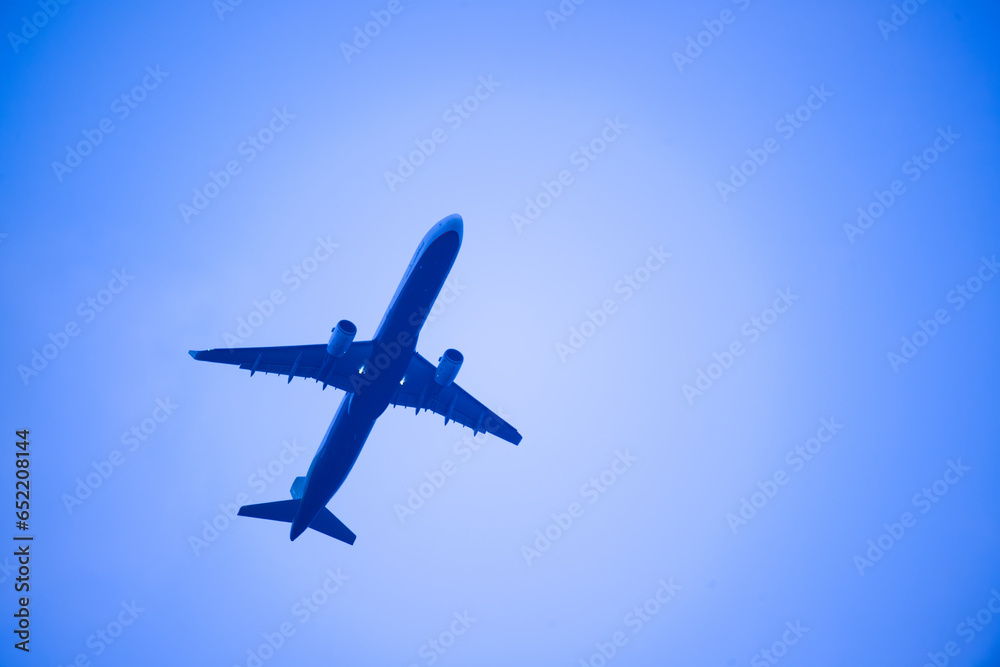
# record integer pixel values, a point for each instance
(453, 223)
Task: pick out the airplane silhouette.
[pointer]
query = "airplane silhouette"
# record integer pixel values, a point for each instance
(385, 370)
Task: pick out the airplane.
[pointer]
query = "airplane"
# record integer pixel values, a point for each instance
(386, 370)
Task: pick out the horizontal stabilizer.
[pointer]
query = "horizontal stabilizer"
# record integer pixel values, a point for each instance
(326, 523)
(284, 510)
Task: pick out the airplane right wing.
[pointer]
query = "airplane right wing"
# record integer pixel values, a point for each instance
(420, 391)
(307, 361)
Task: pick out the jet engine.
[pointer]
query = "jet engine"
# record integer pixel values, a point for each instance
(343, 336)
(448, 366)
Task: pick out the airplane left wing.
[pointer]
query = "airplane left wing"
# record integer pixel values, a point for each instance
(307, 361)
(420, 391)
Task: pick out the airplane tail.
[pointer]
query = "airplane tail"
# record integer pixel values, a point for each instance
(284, 510)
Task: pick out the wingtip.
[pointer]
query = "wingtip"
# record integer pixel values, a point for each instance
(193, 353)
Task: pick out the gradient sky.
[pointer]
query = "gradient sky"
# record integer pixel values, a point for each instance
(715, 155)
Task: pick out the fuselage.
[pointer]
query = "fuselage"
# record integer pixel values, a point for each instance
(394, 345)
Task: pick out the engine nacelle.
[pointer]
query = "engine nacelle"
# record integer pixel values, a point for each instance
(448, 366)
(343, 336)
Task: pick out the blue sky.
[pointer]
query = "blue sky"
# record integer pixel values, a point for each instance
(756, 429)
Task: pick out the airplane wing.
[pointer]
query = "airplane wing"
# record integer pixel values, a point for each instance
(420, 391)
(306, 361)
